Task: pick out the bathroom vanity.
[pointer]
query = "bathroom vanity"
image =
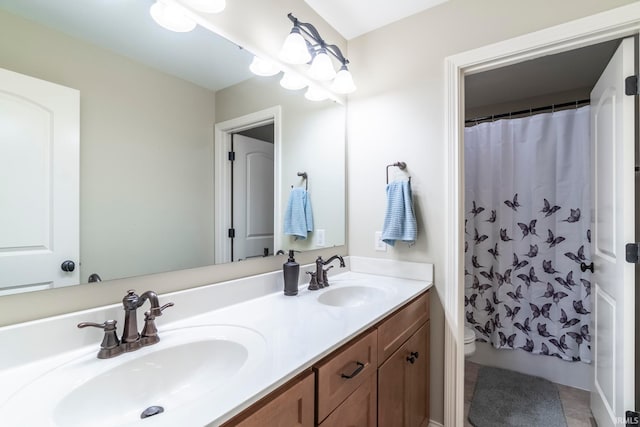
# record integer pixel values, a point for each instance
(388, 384)
(238, 353)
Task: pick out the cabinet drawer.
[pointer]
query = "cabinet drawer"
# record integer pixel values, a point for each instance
(393, 332)
(341, 374)
(359, 409)
(290, 405)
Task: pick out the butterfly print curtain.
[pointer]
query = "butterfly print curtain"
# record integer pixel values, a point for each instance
(527, 198)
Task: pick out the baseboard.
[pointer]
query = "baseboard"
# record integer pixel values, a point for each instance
(435, 424)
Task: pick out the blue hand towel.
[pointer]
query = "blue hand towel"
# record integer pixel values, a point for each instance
(399, 219)
(298, 218)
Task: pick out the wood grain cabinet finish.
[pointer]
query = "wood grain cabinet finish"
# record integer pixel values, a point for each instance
(359, 410)
(394, 331)
(403, 384)
(344, 371)
(292, 405)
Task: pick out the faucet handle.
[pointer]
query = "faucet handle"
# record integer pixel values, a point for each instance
(325, 278)
(155, 312)
(149, 333)
(313, 283)
(110, 345)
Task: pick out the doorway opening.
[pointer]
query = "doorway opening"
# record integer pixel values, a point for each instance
(602, 27)
(526, 133)
(247, 163)
(251, 209)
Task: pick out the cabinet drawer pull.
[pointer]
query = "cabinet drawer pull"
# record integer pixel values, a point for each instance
(354, 373)
(412, 357)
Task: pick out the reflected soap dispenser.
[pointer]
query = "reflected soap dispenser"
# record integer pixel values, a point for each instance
(291, 270)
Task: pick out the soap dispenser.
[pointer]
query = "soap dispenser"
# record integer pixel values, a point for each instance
(291, 270)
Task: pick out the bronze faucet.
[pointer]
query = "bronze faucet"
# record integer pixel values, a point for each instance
(321, 276)
(131, 339)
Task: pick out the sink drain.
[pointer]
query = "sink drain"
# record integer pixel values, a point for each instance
(151, 411)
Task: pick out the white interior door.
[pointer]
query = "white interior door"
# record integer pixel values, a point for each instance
(252, 197)
(39, 188)
(613, 158)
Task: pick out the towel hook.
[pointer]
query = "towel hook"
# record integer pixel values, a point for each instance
(306, 181)
(400, 165)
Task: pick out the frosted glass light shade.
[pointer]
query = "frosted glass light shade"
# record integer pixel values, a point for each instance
(321, 67)
(316, 94)
(171, 17)
(292, 82)
(207, 6)
(294, 49)
(343, 83)
(263, 67)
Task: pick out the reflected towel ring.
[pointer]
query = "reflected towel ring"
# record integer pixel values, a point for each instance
(305, 178)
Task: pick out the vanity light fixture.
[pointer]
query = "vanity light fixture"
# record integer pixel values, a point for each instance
(292, 82)
(315, 93)
(207, 6)
(171, 16)
(304, 44)
(263, 67)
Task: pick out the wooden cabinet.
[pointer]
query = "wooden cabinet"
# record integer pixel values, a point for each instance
(358, 410)
(290, 405)
(398, 327)
(403, 384)
(380, 378)
(341, 373)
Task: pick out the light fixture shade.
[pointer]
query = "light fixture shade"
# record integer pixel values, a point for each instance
(171, 17)
(292, 82)
(316, 94)
(207, 6)
(343, 83)
(294, 49)
(321, 67)
(263, 67)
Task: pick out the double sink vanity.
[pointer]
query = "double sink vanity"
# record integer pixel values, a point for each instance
(236, 353)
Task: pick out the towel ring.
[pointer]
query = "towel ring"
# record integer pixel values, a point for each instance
(401, 165)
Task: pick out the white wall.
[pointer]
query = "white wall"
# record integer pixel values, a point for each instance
(397, 114)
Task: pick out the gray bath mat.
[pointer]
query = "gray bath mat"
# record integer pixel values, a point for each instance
(507, 398)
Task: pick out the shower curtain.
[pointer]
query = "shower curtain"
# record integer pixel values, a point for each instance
(527, 219)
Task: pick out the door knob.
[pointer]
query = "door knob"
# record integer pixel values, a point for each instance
(68, 266)
(584, 267)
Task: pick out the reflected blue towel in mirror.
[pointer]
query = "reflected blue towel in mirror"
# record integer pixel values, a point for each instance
(399, 218)
(298, 218)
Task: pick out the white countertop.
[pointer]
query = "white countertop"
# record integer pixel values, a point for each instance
(297, 331)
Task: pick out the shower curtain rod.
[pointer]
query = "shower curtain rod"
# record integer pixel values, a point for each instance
(530, 111)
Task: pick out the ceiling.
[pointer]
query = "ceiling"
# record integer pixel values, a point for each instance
(551, 74)
(126, 27)
(352, 18)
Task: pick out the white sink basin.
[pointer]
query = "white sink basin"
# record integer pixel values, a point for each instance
(352, 296)
(185, 365)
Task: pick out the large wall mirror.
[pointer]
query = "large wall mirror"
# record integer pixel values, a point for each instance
(157, 110)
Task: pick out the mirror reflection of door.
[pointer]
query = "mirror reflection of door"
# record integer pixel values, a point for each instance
(39, 190)
(252, 192)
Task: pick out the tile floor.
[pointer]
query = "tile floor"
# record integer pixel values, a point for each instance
(574, 401)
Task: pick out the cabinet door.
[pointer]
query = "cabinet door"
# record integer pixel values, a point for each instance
(359, 410)
(292, 405)
(344, 371)
(403, 384)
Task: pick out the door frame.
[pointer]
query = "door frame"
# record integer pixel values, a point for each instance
(222, 174)
(612, 24)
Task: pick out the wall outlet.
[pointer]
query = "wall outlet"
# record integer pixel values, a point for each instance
(320, 237)
(379, 245)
